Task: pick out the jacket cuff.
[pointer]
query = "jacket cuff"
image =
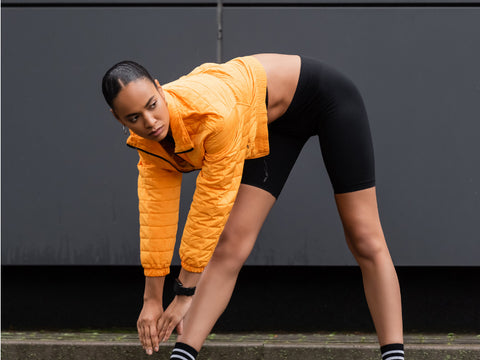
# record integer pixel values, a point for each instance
(156, 272)
(193, 269)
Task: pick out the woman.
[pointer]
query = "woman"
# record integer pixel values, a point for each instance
(243, 125)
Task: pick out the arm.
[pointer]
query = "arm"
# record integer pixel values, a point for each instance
(159, 196)
(216, 190)
(159, 200)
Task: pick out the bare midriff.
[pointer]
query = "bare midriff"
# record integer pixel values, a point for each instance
(282, 72)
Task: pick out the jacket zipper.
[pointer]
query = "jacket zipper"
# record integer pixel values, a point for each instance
(158, 156)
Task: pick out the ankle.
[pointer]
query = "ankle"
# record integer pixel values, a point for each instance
(183, 351)
(392, 352)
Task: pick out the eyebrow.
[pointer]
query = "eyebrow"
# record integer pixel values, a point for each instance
(146, 105)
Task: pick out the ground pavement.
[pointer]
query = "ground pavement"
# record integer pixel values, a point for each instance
(279, 346)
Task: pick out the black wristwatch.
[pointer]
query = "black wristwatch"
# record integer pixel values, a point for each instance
(179, 289)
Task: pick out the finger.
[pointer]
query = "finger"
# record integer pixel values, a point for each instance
(169, 330)
(154, 337)
(141, 335)
(164, 336)
(148, 345)
(161, 327)
(180, 327)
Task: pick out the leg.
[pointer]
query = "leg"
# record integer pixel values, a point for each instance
(262, 181)
(218, 280)
(347, 150)
(359, 214)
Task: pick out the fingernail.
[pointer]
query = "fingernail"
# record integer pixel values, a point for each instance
(156, 349)
(149, 351)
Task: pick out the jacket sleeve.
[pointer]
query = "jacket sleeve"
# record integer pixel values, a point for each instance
(216, 190)
(158, 198)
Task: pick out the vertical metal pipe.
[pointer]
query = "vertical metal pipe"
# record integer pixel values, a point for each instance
(219, 31)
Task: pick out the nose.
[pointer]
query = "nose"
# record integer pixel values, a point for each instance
(149, 121)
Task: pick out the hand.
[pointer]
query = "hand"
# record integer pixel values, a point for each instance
(173, 317)
(147, 325)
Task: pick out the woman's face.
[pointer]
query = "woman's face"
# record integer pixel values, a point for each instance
(141, 107)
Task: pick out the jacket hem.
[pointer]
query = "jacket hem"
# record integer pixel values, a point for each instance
(149, 272)
(194, 269)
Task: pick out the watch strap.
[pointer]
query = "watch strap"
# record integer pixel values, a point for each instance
(179, 289)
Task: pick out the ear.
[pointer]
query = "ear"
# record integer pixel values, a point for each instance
(159, 88)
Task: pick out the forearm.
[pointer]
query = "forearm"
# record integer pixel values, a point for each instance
(154, 288)
(188, 279)
(154, 284)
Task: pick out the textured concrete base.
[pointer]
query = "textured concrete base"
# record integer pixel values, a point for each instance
(125, 346)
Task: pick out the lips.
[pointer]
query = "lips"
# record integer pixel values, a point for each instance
(156, 132)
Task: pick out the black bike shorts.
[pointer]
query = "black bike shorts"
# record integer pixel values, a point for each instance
(326, 104)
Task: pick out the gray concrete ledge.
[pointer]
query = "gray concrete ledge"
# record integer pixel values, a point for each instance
(125, 346)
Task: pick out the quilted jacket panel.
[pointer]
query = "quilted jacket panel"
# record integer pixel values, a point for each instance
(218, 119)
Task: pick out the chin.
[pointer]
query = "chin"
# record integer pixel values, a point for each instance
(159, 137)
(164, 133)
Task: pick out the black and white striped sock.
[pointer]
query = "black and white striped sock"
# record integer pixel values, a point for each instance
(183, 351)
(392, 352)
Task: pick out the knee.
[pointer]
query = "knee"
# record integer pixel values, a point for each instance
(233, 249)
(366, 245)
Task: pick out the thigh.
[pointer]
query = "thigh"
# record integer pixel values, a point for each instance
(344, 135)
(271, 172)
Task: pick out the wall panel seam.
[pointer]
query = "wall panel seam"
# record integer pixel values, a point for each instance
(452, 4)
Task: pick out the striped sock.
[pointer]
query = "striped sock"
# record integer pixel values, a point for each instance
(392, 352)
(183, 351)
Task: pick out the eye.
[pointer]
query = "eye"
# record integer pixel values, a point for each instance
(152, 106)
(133, 119)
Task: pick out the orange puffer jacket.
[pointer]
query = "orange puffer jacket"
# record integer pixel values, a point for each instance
(218, 119)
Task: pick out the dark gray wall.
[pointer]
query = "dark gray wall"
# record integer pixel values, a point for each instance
(418, 71)
(69, 182)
